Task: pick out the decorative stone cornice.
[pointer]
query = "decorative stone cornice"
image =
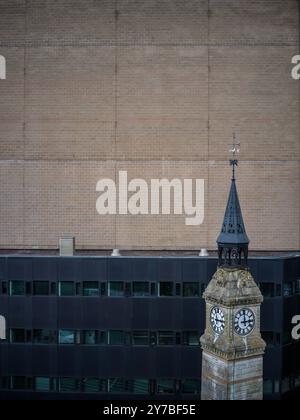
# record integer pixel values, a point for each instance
(233, 287)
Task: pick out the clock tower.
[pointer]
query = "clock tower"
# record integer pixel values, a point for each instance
(232, 360)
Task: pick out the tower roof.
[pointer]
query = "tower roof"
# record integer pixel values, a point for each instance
(233, 229)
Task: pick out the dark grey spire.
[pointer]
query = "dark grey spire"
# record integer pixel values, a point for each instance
(233, 240)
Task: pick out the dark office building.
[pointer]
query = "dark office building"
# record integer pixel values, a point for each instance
(98, 327)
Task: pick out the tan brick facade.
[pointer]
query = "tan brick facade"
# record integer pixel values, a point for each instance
(154, 88)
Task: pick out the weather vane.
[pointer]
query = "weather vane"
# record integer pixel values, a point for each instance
(235, 150)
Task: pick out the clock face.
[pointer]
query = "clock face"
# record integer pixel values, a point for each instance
(217, 319)
(244, 322)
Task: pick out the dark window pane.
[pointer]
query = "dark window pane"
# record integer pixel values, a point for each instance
(117, 386)
(140, 289)
(116, 338)
(103, 289)
(43, 336)
(17, 335)
(18, 382)
(40, 288)
(178, 289)
(267, 289)
(53, 288)
(66, 337)
(139, 386)
(190, 386)
(67, 384)
(191, 338)
(165, 288)
(4, 382)
(78, 289)
(287, 289)
(268, 387)
(90, 337)
(91, 385)
(140, 338)
(165, 338)
(17, 288)
(4, 288)
(191, 289)
(102, 337)
(116, 288)
(165, 386)
(66, 288)
(153, 289)
(90, 288)
(28, 288)
(42, 384)
(278, 290)
(297, 291)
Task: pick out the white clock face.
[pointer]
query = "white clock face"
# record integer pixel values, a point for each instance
(217, 319)
(244, 322)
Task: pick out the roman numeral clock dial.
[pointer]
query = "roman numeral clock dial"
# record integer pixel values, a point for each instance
(217, 320)
(244, 322)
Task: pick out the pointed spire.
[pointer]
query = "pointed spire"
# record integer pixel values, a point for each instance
(233, 240)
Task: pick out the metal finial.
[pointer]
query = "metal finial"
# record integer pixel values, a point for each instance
(235, 150)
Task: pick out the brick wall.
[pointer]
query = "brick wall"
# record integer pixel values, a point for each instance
(154, 88)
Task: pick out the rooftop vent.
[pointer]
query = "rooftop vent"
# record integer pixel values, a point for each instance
(203, 253)
(66, 246)
(116, 253)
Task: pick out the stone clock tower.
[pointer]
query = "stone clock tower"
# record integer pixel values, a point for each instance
(232, 363)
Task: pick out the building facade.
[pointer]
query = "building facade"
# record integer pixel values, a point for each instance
(98, 327)
(154, 88)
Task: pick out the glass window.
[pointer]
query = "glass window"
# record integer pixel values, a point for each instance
(191, 338)
(116, 288)
(191, 289)
(90, 288)
(41, 288)
(278, 290)
(90, 337)
(165, 288)
(66, 337)
(287, 289)
(153, 289)
(66, 288)
(298, 287)
(17, 288)
(165, 386)
(4, 383)
(17, 335)
(140, 338)
(190, 386)
(268, 387)
(18, 382)
(67, 384)
(139, 386)
(267, 289)
(116, 338)
(165, 338)
(43, 336)
(4, 288)
(140, 289)
(117, 385)
(91, 385)
(285, 385)
(53, 288)
(42, 384)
